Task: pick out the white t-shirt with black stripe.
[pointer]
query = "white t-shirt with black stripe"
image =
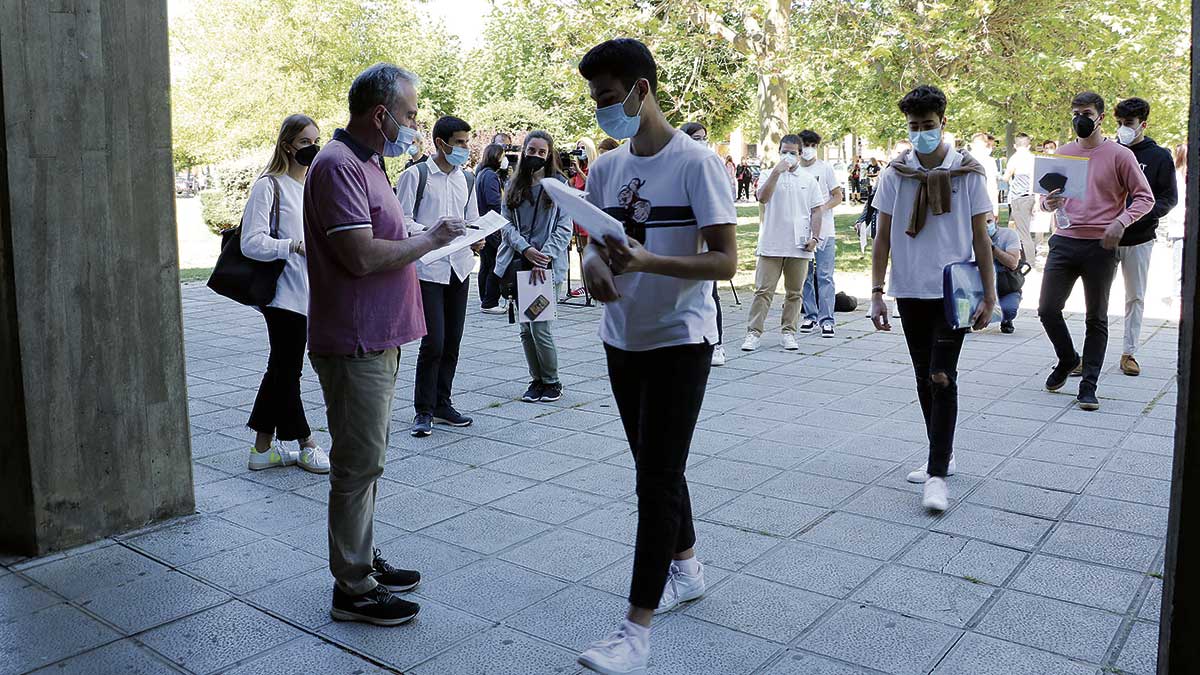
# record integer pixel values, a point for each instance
(664, 201)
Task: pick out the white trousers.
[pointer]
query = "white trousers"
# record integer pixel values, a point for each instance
(1135, 269)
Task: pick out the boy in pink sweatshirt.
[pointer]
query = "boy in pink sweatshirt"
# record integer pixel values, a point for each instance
(1086, 248)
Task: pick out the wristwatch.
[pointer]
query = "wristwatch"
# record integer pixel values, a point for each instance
(877, 289)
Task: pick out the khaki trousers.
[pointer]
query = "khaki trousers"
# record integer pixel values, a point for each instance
(1021, 212)
(766, 277)
(358, 406)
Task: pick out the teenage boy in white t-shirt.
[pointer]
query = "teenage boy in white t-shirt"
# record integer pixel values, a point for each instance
(659, 324)
(953, 188)
(787, 237)
(819, 290)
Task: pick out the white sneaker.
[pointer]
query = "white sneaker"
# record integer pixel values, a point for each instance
(498, 309)
(751, 343)
(789, 342)
(618, 654)
(718, 358)
(313, 460)
(273, 457)
(936, 497)
(921, 474)
(680, 588)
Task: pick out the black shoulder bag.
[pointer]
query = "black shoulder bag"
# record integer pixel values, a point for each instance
(1011, 281)
(244, 280)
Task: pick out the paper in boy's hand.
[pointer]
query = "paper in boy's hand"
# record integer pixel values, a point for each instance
(585, 214)
(1060, 172)
(535, 300)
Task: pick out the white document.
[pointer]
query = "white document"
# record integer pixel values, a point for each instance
(1052, 171)
(585, 214)
(476, 231)
(536, 302)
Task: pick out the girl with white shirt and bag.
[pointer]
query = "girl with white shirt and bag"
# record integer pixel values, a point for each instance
(279, 195)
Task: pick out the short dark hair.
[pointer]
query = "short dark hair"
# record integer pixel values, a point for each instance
(692, 127)
(378, 85)
(445, 128)
(1133, 108)
(791, 139)
(491, 157)
(924, 100)
(626, 59)
(810, 137)
(1022, 137)
(1088, 98)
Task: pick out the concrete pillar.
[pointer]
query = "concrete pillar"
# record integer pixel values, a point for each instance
(93, 403)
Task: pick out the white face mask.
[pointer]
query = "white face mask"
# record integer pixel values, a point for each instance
(789, 158)
(1126, 135)
(503, 163)
(808, 154)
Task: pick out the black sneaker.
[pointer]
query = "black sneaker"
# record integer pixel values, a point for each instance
(1087, 400)
(808, 326)
(551, 392)
(1007, 327)
(827, 330)
(1058, 376)
(534, 393)
(451, 417)
(377, 606)
(394, 579)
(422, 425)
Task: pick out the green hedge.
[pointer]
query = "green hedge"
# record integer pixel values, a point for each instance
(222, 204)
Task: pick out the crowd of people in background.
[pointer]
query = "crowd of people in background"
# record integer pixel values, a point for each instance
(356, 285)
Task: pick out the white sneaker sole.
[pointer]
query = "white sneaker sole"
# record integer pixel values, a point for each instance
(596, 667)
(343, 615)
(689, 598)
(439, 420)
(313, 469)
(399, 589)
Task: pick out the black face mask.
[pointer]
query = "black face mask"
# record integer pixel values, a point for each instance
(532, 164)
(1084, 126)
(305, 156)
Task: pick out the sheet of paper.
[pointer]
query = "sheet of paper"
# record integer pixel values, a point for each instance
(476, 231)
(1055, 171)
(540, 297)
(585, 214)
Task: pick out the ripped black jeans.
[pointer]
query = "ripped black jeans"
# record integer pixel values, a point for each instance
(934, 348)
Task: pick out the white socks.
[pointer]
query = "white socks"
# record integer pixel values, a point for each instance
(690, 567)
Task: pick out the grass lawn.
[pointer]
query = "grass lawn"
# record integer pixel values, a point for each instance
(194, 274)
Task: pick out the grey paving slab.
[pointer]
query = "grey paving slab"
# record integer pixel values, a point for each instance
(573, 618)
(913, 592)
(313, 537)
(152, 600)
(847, 467)
(20, 596)
(766, 515)
(1139, 655)
(50, 634)
(878, 639)
(1111, 513)
(976, 654)
(1141, 464)
(413, 509)
(1125, 487)
(810, 488)
(1045, 474)
(1065, 453)
(1000, 527)
(436, 628)
(601, 479)
(275, 514)
(731, 475)
(307, 654)
(566, 554)
(1025, 499)
(480, 486)
(254, 565)
(115, 658)
(762, 608)
(1099, 545)
(1051, 625)
(223, 494)
(1152, 605)
(537, 465)
(76, 575)
(500, 651)
(616, 521)
(684, 646)
(793, 662)
(485, 530)
(898, 506)
(218, 637)
(303, 598)
(431, 557)
(729, 547)
(1079, 582)
(864, 536)
(964, 558)
(814, 568)
(492, 589)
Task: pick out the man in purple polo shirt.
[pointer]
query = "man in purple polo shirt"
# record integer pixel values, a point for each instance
(364, 304)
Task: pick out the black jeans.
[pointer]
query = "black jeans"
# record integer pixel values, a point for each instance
(277, 408)
(934, 347)
(1069, 260)
(489, 283)
(720, 328)
(659, 394)
(445, 312)
(743, 189)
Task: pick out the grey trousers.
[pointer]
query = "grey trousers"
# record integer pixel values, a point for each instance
(358, 406)
(541, 355)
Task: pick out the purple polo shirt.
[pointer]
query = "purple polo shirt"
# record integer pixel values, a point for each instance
(346, 189)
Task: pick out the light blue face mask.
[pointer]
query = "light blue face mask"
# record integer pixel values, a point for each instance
(991, 227)
(614, 122)
(404, 139)
(458, 156)
(925, 142)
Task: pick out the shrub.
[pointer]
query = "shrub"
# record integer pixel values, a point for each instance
(222, 204)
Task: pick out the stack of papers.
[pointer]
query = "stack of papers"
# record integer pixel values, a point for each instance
(476, 232)
(585, 214)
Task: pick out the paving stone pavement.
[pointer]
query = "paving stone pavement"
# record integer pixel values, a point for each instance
(820, 560)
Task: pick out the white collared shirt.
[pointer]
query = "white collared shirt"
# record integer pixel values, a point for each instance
(445, 196)
(787, 218)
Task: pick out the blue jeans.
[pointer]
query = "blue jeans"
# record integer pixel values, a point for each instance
(1009, 304)
(818, 304)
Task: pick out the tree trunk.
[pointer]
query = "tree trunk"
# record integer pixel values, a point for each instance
(772, 87)
(1010, 132)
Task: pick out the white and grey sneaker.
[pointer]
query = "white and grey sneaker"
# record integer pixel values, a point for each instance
(751, 342)
(921, 474)
(680, 588)
(936, 497)
(718, 357)
(619, 654)
(313, 460)
(789, 343)
(273, 457)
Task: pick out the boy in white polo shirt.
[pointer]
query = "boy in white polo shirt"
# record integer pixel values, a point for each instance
(787, 240)
(952, 189)
(660, 321)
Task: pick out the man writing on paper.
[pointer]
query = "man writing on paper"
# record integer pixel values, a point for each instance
(441, 188)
